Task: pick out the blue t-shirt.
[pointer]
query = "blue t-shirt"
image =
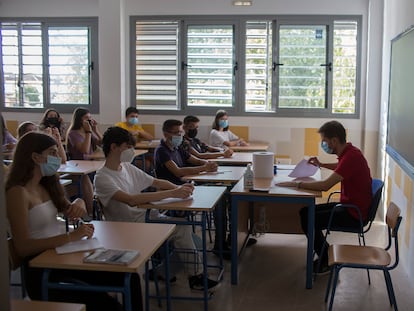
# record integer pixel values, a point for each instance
(163, 154)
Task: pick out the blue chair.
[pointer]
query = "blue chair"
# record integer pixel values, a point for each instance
(367, 257)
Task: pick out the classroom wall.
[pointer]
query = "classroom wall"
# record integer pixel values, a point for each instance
(398, 16)
(114, 61)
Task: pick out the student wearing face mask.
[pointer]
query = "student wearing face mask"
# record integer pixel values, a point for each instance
(221, 136)
(34, 197)
(172, 158)
(132, 125)
(52, 119)
(352, 172)
(198, 148)
(119, 186)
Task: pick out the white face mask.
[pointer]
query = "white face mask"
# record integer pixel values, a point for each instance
(128, 155)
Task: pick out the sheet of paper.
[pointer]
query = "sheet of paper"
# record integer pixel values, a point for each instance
(303, 169)
(79, 246)
(171, 200)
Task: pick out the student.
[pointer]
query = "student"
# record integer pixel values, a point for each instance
(26, 127)
(352, 172)
(198, 148)
(9, 141)
(220, 135)
(119, 186)
(82, 139)
(34, 197)
(52, 119)
(172, 160)
(132, 125)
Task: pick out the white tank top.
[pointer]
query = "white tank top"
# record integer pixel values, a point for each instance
(43, 222)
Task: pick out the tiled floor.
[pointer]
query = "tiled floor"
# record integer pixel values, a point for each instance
(272, 277)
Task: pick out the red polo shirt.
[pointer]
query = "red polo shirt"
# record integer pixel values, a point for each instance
(356, 185)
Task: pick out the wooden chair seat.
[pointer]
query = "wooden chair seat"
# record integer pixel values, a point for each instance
(358, 255)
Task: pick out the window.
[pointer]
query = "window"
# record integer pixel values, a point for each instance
(49, 63)
(282, 65)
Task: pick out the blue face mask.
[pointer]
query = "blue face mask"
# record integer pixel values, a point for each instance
(133, 121)
(176, 141)
(326, 148)
(51, 166)
(223, 123)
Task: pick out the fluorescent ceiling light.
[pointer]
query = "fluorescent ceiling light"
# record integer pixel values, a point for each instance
(242, 2)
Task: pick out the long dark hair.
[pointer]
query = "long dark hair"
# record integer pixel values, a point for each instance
(21, 169)
(76, 123)
(219, 114)
(44, 122)
(3, 129)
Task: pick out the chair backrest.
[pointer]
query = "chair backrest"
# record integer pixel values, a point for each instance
(149, 128)
(393, 218)
(14, 260)
(377, 186)
(97, 213)
(241, 131)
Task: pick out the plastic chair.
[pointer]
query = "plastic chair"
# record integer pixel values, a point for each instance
(377, 186)
(367, 257)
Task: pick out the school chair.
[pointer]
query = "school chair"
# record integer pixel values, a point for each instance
(149, 128)
(367, 257)
(377, 186)
(12, 126)
(15, 262)
(241, 131)
(97, 209)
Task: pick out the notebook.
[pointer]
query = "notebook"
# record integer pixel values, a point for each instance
(112, 256)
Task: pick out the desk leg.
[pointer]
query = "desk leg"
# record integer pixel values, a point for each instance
(45, 286)
(234, 256)
(205, 275)
(127, 292)
(167, 274)
(311, 237)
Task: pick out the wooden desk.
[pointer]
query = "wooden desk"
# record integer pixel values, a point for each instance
(147, 144)
(31, 305)
(147, 238)
(275, 194)
(224, 174)
(204, 200)
(238, 158)
(253, 146)
(80, 167)
(99, 155)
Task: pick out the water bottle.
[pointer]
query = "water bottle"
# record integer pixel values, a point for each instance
(248, 177)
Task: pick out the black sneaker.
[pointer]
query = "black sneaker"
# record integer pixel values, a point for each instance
(323, 268)
(196, 282)
(160, 277)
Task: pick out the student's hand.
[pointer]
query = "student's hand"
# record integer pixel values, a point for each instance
(211, 166)
(228, 153)
(87, 126)
(56, 135)
(184, 191)
(93, 124)
(242, 142)
(314, 161)
(84, 230)
(76, 209)
(287, 184)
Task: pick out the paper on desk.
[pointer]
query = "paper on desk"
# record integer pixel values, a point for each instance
(303, 169)
(79, 246)
(171, 200)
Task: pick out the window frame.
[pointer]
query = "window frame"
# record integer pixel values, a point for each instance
(239, 23)
(92, 24)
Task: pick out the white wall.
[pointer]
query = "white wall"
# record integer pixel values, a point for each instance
(398, 16)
